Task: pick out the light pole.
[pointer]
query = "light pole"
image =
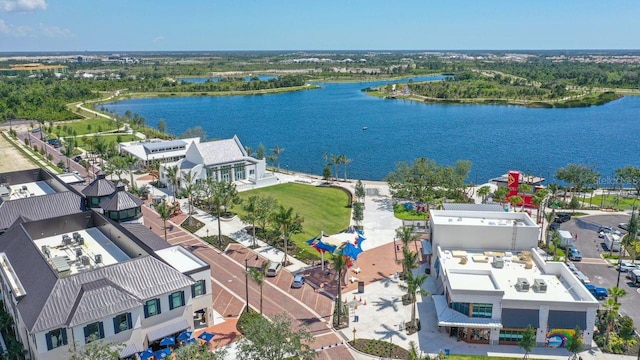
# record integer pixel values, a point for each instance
(246, 282)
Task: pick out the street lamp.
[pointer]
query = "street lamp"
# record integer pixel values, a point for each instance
(246, 282)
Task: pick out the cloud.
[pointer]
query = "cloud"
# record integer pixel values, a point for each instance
(22, 5)
(8, 30)
(23, 31)
(55, 32)
(158, 39)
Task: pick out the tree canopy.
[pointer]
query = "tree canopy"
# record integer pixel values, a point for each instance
(275, 340)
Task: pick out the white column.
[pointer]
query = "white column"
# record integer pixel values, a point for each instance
(541, 334)
(587, 335)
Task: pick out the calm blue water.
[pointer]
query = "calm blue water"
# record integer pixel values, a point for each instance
(217, 79)
(331, 119)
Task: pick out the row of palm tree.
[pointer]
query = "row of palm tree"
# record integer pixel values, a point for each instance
(337, 160)
(413, 283)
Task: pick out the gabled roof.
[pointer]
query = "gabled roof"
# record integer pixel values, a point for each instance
(120, 200)
(107, 291)
(221, 151)
(40, 207)
(163, 145)
(35, 274)
(99, 187)
(146, 236)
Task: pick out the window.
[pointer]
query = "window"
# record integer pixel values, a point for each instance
(93, 332)
(113, 215)
(482, 310)
(122, 322)
(199, 288)
(95, 201)
(239, 171)
(176, 300)
(152, 308)
(225, 173)
(511, 335)
(462, 308)
(56, 338)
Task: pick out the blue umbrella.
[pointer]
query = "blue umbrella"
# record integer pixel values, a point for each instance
(184, 335)
(190, 341)
(162, 354)
(168, 341)
(145, 354)
(206, 336)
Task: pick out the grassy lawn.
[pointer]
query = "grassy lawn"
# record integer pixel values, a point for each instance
(88, 126)
(401, 213)
(323, 209)
(613, 201)
(109, 139)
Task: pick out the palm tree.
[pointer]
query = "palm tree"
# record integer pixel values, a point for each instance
(251, 207)
(172, 177)
(258, 276)
(335, 161)
(515, 201)
(130, 162)
(549, 216)
(484, 192)
(223, 194)
(344, 160)
(277, 151)
(409, 261)
(287, 223)
(164, 210)
(406, 235)
(189, 188)
(413, 288)
(339, 264)
(617, 293)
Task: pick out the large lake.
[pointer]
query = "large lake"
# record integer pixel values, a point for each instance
(331, 119)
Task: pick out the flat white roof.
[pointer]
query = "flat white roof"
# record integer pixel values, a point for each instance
(481, 218)
(180, 259)
(94, 243)
(70, 178)
(476, 272)
(25, 190)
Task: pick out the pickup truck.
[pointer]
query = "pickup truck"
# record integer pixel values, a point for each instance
(597, 292)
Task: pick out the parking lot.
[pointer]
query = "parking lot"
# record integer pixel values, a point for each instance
(602, 273)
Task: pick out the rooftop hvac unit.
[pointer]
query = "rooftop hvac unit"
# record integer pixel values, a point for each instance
(78, 253)
(98, 258)
(66, 239)
(76, 236)
(498, 262)
(80, 241)
(46, 250)
(522, 285)
(539, 285)
(86, 261)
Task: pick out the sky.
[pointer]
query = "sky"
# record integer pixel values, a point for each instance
(210, 25)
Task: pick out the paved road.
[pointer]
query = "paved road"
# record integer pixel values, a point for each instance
(600, 272)
(34, 139)
(304, 306)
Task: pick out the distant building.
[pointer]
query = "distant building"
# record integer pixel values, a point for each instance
(17, 69)
(147, 152)
(492, 283)
(222, 160)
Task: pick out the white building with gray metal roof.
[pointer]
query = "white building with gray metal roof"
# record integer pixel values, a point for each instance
(71, 280)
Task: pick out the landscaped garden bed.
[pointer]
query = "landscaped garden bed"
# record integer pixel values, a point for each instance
(192, 224)
(213, 240)
(379, 348)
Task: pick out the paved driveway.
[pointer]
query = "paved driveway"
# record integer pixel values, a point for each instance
(600, 272)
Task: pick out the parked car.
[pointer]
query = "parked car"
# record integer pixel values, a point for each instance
(554, 226)
(274, 269)
(36, 130)
(298, 281)
(77, 158)
(562, 217)
(575, 254)
(607, 230)
(623, 226)
(634, 276)
(627, 267)
(599, 293)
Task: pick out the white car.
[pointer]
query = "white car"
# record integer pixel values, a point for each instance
(623, 226)
(607, 229)
(627, 267)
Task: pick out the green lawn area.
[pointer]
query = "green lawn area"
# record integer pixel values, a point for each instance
(323, 209)
(401, 213)
(88, 126)
(110, 139)
(613, 201)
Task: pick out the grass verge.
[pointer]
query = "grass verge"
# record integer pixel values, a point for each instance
(323, 209)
